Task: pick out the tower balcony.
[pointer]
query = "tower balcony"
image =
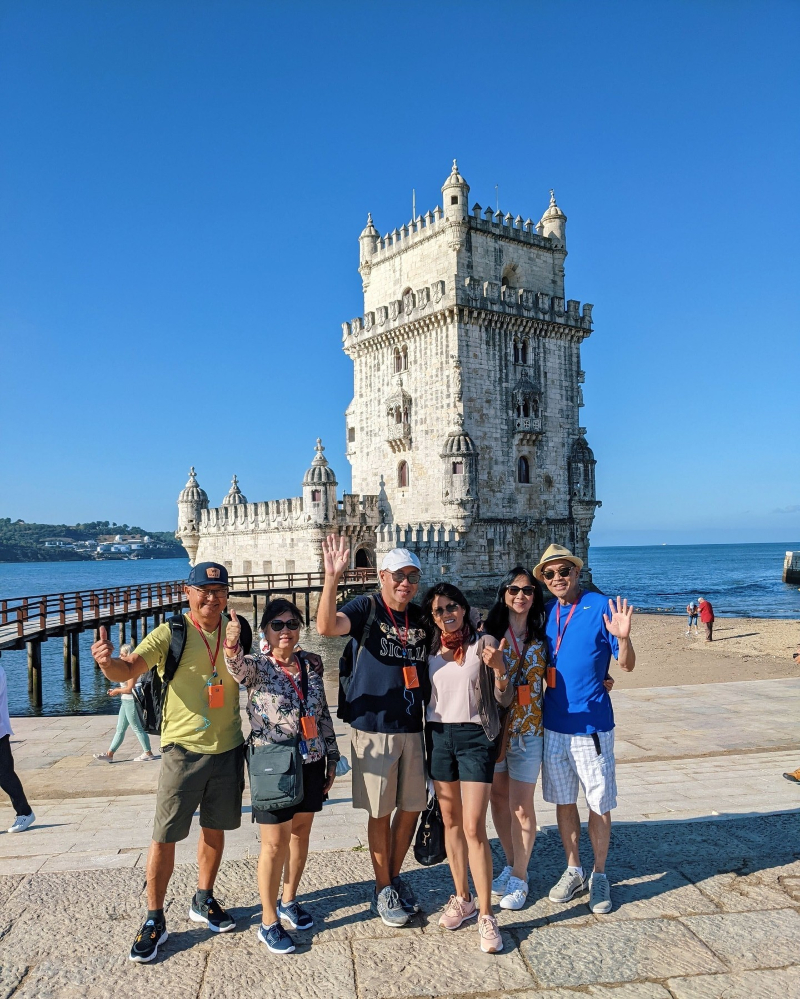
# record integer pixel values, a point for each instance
(399, 437)
(527, 429)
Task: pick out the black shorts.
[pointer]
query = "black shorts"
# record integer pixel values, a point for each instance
(313, 793)
(460, 752)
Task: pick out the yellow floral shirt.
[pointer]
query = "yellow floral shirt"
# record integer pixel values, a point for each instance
(527, 718)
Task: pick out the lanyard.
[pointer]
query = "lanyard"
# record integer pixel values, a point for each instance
(290, 678)
(211, 659)
(520, 670)
(559, 633)
(402, 638)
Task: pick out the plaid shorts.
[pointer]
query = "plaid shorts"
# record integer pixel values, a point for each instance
(573, 760)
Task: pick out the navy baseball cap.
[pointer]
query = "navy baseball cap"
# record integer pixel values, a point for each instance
(208, 574)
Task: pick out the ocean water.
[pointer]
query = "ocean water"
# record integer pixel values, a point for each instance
(739, 580)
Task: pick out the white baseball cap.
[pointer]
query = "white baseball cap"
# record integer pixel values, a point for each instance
(399, 558)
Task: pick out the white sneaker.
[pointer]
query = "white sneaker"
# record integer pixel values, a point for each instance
(146, 758)
(599, 894)
(500, 883)
(22, 822)
(568, 886)
(104, 757)
(516, 894)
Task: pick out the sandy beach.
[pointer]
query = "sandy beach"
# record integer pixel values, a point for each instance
(744, 648)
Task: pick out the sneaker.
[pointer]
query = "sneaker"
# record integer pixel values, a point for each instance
(457, 911)
(146, 758)
(568, 886)
(794, 776)
(23, 822)
(599, 894)
(295, 915)
(491, 941)
(406, 895)
(387, 906)
(276, 938)
(516, 894)
(150, 937)
(501, 881)
(212, 914)
(105, 757)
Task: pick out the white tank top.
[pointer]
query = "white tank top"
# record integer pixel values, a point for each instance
(452, 688)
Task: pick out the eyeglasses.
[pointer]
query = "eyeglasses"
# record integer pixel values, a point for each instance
(447, 609)
(291, 625)
(218, 592)
(401, 577)
(551, 573)
(514, 590)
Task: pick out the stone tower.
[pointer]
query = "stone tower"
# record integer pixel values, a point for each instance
(191, 503)
(467, 389)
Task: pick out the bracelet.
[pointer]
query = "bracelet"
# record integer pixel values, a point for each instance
(226, 646)
(502, 678)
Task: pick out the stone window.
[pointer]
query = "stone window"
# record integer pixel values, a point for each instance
(400, 359)
(458, 468)
(520, 352)
(351, 434)
(267, 567)
(523, 470)
(453, 199)
(316, 495)
(402, 474)
(290, 565)
(247, 567)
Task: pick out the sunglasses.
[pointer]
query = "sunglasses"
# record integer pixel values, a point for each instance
(552, 573)
(447, 609)
(527, 590)
(291, 625)
(401, 577)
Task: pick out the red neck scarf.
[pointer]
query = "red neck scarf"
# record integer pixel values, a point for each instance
(456, 642)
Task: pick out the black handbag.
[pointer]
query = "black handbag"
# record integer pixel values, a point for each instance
(276, 775)
(429, 848)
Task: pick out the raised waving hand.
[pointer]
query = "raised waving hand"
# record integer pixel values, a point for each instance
(336, 555)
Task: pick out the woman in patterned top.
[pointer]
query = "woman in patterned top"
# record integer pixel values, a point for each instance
(517, 619)
(273, 679)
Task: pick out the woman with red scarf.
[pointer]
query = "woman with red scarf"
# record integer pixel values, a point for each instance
(462, 726)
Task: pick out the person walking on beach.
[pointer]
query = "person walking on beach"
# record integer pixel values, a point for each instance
(707, 617)
(384, 704)
(9, 781)
(128, 715)
(578, 717)
(202, 763)
(691, 612)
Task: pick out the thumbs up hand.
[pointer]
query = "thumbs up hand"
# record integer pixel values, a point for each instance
(103, 649)
(233, 630)
(493, 658)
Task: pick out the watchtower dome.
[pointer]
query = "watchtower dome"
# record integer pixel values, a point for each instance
(319, 489)
(192, 500)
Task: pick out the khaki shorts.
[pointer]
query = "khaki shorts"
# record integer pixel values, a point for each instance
(214, 782)
(388, 772)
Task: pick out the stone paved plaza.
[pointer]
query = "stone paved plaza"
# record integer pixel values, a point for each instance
(704, 864)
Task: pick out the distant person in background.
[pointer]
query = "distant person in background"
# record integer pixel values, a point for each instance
(9, 781)
(707, 617)
(794, 776)
(691, 611)
(128, 715)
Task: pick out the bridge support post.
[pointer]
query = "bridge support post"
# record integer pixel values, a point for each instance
(35, 671)
(67, 660)
(144, 625)
(134, 632)
(307, 596)
(75, 656)
(122, 633)
(255, 618)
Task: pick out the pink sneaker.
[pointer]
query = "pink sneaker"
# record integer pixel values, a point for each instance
(491, 941)
(457, 911)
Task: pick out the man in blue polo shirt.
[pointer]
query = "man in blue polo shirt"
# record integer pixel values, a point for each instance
(584, 630)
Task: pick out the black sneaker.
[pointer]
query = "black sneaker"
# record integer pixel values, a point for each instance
(406, 895)
(150, 937)
(212, 914)
(295, 915)
(276, 938)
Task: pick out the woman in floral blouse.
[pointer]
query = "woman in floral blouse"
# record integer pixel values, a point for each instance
(273, 679)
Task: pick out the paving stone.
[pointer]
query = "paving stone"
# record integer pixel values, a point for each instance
(10, 977)
(746, 985)
(750, 940)
(733, 892)
(665, 893)
(22, 865)
(616, 952)
(634, 990)
(89, 861)
(437, 965)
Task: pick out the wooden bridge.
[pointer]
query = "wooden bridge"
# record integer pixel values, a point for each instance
(26, 622)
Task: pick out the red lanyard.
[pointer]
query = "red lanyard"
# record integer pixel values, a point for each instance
(514, 640)
(402, 638)
(212, 659)
(290, 678)
(559, 633)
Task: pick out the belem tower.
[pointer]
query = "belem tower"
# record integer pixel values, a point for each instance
(464, 431)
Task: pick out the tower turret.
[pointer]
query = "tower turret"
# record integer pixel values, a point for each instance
(554, 222)
(367, 244)
(455, 192)
(192, 500)
(319, 489)
(234, 496)
(460, 481)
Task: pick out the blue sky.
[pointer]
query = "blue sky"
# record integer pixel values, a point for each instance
(183, 184)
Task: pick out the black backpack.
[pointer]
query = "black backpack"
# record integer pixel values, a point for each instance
(150, 690)
(347, 664)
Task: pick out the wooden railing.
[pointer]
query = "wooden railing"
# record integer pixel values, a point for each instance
(287, 581)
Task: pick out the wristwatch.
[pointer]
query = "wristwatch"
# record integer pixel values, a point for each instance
(503, 677)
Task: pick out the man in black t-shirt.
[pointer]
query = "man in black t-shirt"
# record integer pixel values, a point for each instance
(385, 707)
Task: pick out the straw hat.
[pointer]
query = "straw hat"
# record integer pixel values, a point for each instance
(555, 553)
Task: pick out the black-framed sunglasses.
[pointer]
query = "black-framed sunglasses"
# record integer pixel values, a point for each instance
(400, 577)
(551, 573)
(527, 590)
(291, 625)
(447, 609)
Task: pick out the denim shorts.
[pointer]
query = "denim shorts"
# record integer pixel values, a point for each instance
(523, 758)
(460, 752)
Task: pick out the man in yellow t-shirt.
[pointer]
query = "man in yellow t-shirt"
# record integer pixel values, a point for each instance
(202, 759)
